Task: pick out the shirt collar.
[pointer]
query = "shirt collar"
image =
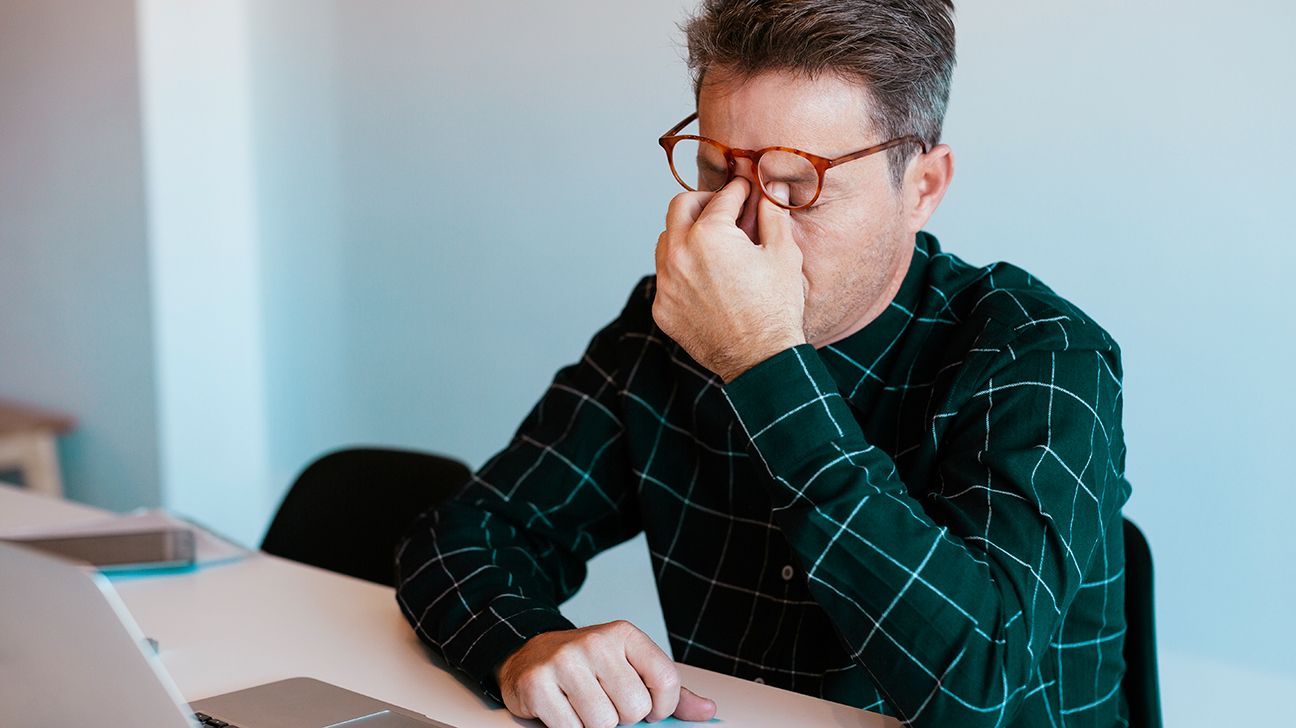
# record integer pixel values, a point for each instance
(865, 354)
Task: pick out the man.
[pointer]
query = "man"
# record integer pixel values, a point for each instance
(867, 471)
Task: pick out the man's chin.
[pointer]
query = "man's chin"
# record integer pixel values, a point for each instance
(815, 334)
(819, 334)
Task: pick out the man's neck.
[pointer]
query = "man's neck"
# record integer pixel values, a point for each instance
(880, 304)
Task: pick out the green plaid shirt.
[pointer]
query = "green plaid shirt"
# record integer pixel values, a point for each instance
(922, 519)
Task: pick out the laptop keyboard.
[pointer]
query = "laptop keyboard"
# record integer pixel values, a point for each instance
(206, 721)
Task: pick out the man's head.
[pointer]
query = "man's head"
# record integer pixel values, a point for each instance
(830, 78)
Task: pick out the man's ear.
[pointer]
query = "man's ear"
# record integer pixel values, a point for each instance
(926, 180)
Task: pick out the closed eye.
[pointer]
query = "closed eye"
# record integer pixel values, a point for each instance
(813, 208)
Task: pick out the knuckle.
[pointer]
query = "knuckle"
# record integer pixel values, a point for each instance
(678, 259)
(673, 207)
(704, 231)
(622, 627)
(537, 676)
(597, 641)
(667, 677)
(529, 683)
(695, 196)
(661, 316)
(568, 655)
(554, 722)
(638, 708)
(668, 256)
(659, 712)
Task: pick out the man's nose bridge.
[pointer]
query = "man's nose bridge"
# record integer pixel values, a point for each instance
(753, 202)
(743, 167)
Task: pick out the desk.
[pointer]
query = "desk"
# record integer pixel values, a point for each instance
(264, 618)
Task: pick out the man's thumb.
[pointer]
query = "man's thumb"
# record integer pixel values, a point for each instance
(692, 706)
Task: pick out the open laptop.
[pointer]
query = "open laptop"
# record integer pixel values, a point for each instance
(70, 654)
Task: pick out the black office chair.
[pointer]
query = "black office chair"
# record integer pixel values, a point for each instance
(347, 511)
(1141, 685)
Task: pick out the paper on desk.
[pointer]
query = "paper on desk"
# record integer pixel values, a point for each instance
(208, 547)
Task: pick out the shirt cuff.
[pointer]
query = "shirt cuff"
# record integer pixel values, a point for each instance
(789, 406)
(495, 636)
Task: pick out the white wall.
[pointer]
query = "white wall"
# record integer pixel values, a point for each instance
(75, 332)
(207, 293)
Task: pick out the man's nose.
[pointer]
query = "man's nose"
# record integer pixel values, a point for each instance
(747, 219)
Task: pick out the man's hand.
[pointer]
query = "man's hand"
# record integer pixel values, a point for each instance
(729, 303)
(596, 677)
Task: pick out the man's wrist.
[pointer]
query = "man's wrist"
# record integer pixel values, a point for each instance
(494, 647)
(498, 670)
(757, 355)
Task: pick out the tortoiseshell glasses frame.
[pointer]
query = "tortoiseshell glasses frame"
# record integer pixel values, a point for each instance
(732, 154)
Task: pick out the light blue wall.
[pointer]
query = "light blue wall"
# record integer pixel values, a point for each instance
(1134, 157)
(448, 199)
(75, 329)
(434, 250)
(453, 200)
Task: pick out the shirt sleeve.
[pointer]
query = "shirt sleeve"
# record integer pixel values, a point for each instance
(948, 603)
(484, 572)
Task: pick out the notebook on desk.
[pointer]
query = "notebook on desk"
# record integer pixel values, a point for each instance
(71, 654)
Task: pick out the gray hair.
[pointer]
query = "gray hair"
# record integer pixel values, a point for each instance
(901, 52)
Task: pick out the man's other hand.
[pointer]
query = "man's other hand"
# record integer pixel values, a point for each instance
(596, 677)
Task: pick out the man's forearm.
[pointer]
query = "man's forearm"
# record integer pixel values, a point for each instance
(472, 591)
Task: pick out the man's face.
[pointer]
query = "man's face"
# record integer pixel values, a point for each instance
(854, 240)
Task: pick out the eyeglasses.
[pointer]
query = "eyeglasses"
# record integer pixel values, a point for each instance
(712, 164)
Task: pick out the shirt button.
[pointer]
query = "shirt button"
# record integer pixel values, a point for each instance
(759, 681)
(788, 571)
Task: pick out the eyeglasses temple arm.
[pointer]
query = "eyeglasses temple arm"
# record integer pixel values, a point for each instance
(879, 148)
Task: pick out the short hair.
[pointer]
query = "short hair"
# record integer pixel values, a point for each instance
(900, 51)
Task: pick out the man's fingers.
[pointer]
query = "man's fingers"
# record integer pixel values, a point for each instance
(685, 207)
(552, 707)
(694, 707)
(658, 672)
(626, 689)
(659, 254)
(775, 222)
(589, 699)
(727, 204)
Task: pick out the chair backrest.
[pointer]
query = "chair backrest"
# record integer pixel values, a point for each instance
(1141, 685)
(347, 511)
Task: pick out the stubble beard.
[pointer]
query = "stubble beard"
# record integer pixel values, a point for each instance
(852, 290)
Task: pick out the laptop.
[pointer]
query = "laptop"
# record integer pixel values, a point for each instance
(71, 654)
